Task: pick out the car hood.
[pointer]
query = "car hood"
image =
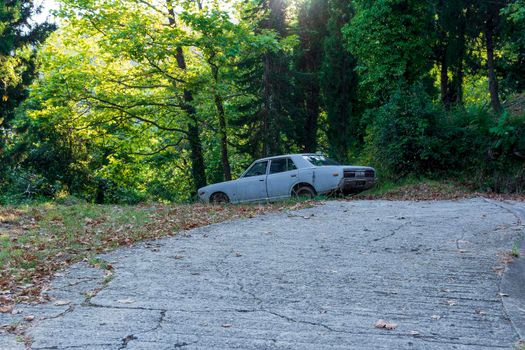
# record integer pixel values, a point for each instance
(216, 185)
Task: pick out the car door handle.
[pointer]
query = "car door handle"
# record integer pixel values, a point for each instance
(261, 180)
(293, 175)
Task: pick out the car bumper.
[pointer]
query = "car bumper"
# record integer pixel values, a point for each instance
(353, 185)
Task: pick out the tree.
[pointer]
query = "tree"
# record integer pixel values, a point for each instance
(264, 119)
(450, 50)
(19, 38)
(514, 46)
(490, 12)
(391, 40)
(311, 31)
(137, 76)
(220, 42)
(339, 83)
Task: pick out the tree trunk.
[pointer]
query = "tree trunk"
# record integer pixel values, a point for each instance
(197, 160)
(445, 95)
(219, 104)
(224, 138)
(443, 58)
(457, 82)
(266, 108)
(312, 112)
(493, 82)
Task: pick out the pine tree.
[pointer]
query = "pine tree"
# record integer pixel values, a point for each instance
(264, 120)
(17, 70)
(311, 31)
(339, 83)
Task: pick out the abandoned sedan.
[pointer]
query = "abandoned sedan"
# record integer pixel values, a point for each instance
(301, 175)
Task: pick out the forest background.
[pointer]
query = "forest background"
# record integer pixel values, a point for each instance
(124, 101)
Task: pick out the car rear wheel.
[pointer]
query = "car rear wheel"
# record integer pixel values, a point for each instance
(219, 198)
(304, 192)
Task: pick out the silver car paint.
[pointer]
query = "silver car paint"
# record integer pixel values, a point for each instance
(323, 179)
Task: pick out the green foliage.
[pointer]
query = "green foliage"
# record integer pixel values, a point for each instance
(339, 84)
(402, 138)
(19, 39)
(391, 41)
(140, 100)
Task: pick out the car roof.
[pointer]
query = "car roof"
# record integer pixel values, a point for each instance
(289, 155)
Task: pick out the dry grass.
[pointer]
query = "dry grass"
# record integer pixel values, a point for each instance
(37, 241)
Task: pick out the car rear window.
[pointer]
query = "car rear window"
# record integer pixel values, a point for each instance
(319, 160)
(281, 165)
(278, 166)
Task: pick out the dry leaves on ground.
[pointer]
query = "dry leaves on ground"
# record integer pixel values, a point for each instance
(434, 191)
(37, 241)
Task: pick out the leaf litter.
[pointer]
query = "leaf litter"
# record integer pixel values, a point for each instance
(36, 242)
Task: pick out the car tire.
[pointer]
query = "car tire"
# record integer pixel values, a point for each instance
(305, 192)
(219, 198)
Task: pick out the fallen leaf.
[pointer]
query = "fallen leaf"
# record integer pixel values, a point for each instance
(227, 325)
(391, 326)
(178, 257)
(29, 318)
(62, 302)
(238, 254)
(435, 317)
(385, 324)
(451, 302)
(6, 309)
(126, 301)
(413, 333)
(503, 295)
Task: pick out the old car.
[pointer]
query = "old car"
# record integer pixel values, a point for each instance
(301, 175)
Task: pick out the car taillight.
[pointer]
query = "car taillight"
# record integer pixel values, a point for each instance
(369, 173)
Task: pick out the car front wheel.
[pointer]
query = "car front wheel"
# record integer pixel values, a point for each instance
(219, 198)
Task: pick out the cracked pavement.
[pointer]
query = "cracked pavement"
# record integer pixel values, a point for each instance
(317, 278)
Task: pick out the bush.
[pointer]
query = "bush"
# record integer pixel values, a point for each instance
(411, 137)
(402, 139)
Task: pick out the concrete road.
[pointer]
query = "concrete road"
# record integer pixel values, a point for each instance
(312, 279)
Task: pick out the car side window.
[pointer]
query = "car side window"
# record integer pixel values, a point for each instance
(257, 169)
(278, 166)
(291, 165)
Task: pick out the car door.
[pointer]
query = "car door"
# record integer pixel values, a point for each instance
(281, 177)
(252, 186)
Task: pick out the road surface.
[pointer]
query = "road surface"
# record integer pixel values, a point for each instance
(318, 278)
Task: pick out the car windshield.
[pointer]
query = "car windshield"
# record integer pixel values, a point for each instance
(319, 160)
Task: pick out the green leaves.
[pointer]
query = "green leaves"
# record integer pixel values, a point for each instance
(391, 40)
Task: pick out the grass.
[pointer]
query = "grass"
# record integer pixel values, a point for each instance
(515, 252)
(37, 241)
